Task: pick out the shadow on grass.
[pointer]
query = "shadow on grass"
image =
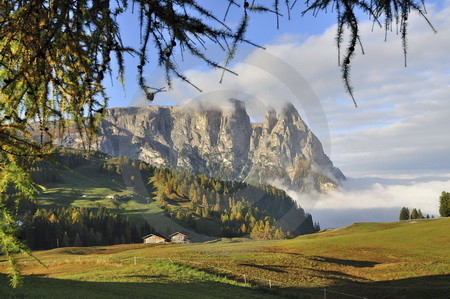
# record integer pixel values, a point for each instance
(436, 286)
(81, 250)
(40, 287)
(58, 201)
(273, 268)
(344, 262)
(337, 275)
(115, 189)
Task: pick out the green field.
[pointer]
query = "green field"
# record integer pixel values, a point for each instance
(85, 187)
(407, 259)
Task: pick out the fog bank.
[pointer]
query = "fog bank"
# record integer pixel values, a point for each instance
(373, 200)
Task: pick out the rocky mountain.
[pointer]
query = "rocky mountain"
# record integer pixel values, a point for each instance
(222, 143)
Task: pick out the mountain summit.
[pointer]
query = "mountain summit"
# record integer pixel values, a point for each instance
(220, 142)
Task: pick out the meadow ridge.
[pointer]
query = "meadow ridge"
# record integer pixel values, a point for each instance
(403, 259)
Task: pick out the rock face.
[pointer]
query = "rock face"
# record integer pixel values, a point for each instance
(220, 143)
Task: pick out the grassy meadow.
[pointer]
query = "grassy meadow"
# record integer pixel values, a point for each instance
(407, 259)
(85, 187)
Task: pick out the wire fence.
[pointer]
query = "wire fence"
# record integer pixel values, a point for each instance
(237, 276)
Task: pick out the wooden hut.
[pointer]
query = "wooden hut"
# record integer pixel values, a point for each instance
(152, 239)
(179, 238)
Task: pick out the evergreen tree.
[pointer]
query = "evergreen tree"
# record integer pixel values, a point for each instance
(169, 187)
(192, 205)
(317, 226)
(162, 197)
(77, 242)
(183, 190)
(204, 201)
(414, 214)
(206, 213)
(444, 204)
(198, 211)
(66, 241)
(419, 214)
(49, 229)
(404, 214)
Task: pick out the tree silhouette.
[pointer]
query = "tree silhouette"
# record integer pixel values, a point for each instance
(444, 204)
(404, 214)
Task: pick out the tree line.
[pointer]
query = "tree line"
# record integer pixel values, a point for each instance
(230, 208)
(405, 214)
(444, 209)
(218, 207)
(74, 226)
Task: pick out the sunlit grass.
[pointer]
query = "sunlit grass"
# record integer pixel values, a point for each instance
(376, 260)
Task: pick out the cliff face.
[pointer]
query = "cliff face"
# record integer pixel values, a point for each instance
(220, 143)
(285, 150)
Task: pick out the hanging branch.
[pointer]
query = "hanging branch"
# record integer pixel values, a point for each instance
(393, 12)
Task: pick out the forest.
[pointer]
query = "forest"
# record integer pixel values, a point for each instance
(218, 207)
(209, 206)
(73, 226)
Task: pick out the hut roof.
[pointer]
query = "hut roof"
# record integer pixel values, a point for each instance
(152, 235)
(177, 233)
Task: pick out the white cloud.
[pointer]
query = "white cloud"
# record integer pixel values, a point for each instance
(421, 195)
(373, 199)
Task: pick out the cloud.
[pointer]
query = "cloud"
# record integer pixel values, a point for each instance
(421, 195)
(213, 101)
(373, 199)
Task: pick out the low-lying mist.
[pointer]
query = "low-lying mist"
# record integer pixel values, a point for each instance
(373, 200)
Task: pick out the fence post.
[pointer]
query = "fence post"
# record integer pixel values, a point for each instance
(270, 284)
(325, 293)
(135, 261)
(245, 279)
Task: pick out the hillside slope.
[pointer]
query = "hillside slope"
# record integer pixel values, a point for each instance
(83, 186)
(171, 200)
(374, 260)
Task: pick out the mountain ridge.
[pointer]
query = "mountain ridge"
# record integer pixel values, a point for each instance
(220, 142)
